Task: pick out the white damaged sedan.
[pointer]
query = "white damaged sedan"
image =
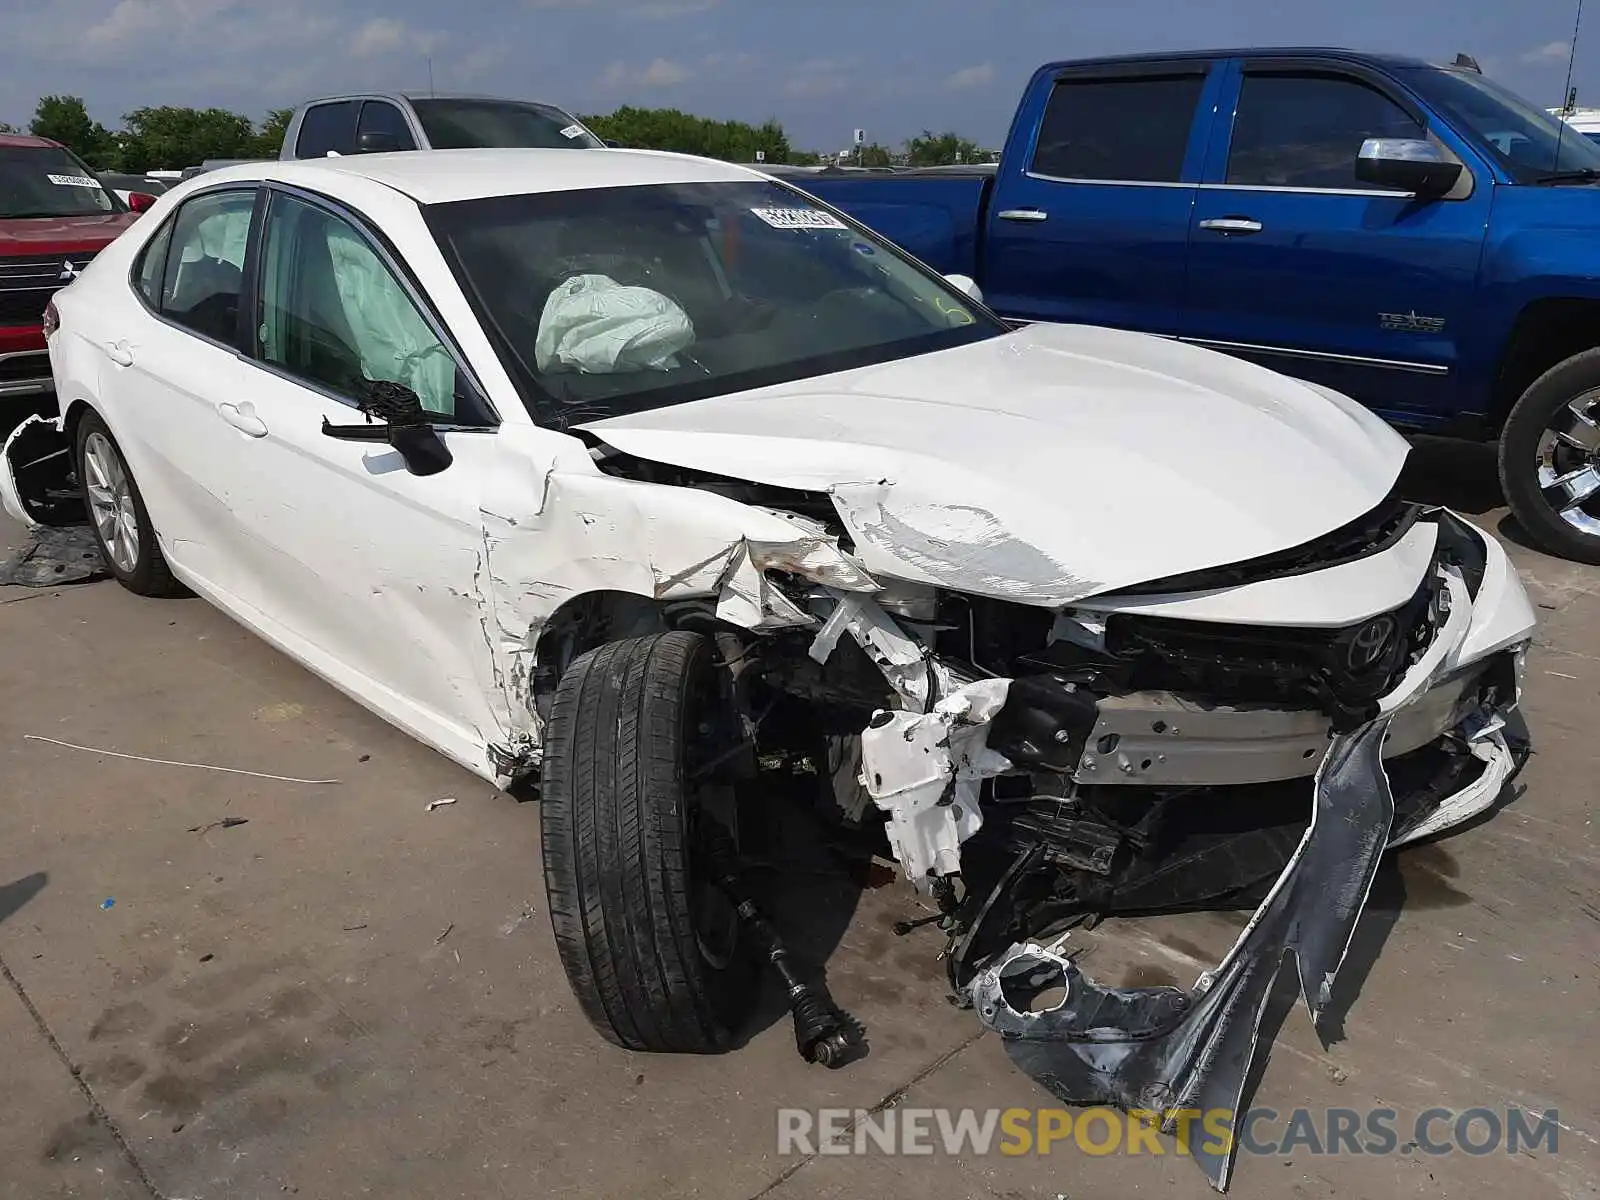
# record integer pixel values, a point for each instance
(634, 474)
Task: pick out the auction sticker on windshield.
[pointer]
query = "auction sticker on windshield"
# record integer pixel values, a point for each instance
(798, 218)
(73, 181)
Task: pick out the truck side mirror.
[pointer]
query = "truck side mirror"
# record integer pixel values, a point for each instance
(1409, 165)
(377, 141)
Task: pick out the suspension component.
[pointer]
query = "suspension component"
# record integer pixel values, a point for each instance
(822, 1033)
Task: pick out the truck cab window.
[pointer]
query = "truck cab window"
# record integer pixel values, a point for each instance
(382, 127)
(1306, 130)
(1122, 130)
(327, 127)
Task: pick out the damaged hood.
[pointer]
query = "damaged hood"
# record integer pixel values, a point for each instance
(1047, 465)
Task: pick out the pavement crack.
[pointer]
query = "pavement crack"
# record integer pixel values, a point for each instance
(889, 1100)
(95, 1107)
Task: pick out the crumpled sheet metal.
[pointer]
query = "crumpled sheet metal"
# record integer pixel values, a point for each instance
(54, 555)
(1159, 1049)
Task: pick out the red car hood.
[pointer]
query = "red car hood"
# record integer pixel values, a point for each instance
(61, 235)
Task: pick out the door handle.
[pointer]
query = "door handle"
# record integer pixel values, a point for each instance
(243, 418)
(1023, 214)
(1231, 225)
(119, 353)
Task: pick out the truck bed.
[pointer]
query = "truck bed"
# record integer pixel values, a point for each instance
(934, 213)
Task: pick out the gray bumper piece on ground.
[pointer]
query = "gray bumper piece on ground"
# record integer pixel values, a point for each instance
(1162, 1050)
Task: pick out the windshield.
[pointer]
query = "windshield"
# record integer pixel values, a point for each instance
(476, 124)
(1521, 136)
(44, 181)
(617, 300)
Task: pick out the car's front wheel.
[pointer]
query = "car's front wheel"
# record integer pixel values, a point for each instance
(649, 943)
(1550, 459)
(117, 513)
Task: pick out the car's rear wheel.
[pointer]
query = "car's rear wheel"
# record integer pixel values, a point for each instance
(1550, 459)
(628, 792)
(117, 513)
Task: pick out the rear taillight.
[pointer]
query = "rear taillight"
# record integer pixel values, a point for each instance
(52, 319)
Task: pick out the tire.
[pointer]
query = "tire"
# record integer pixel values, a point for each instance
(136, 561)
(621, 872)
(1529, 449)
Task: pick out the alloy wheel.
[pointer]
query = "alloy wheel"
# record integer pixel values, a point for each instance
(111, 501)
(1569, 463)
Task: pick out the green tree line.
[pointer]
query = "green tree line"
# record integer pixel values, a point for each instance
(169, 137)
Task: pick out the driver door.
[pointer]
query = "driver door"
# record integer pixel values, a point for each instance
(1298, 265)
(367, 571)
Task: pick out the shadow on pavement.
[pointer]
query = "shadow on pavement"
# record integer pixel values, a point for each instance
(1459, 475)
(17, 893)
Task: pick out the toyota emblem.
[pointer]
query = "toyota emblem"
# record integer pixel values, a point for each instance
(1368, 645)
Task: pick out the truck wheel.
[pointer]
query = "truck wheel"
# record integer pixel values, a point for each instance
(117, 513)
(649, 944)
(1550, 459)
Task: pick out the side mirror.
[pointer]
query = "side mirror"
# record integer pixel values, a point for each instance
(377, 141)
(1409, 165)
(141, 201)
(966, 285)
(403, 424)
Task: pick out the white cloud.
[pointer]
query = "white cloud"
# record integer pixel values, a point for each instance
(650, 10)
(818, 77)
(662, 72)
(666, 10)
(385, 35)
(971, 77)
(1548, 53)
(132, 21)
(381, 35)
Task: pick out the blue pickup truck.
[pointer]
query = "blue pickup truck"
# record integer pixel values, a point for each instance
(1415, 236)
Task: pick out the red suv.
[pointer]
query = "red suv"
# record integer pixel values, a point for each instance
(55, 216)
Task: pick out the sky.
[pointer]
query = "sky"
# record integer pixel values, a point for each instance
(822, 67)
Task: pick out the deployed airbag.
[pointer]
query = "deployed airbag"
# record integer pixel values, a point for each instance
(593, 324)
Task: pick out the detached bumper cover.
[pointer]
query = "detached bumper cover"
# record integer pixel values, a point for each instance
(1163, 1050)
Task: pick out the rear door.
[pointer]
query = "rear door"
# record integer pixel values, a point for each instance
(1296, 264)
(1092, 225)
(170, 365)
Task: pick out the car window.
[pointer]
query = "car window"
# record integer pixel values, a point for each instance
(384, 120)
(614, 300)
(333, 313)
(1133, 129)
(204, 271)
(47, 181)
(327, 127)
(471, 124)
(152, 259)
(1306, 130)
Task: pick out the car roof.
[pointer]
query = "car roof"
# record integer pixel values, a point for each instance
(444, 176)
(417, 95)
(27, 140)
(1395, 61)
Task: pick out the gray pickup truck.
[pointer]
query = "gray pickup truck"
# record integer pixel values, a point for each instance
(380, 122)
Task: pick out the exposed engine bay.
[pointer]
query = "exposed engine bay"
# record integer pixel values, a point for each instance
(1037, 769)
